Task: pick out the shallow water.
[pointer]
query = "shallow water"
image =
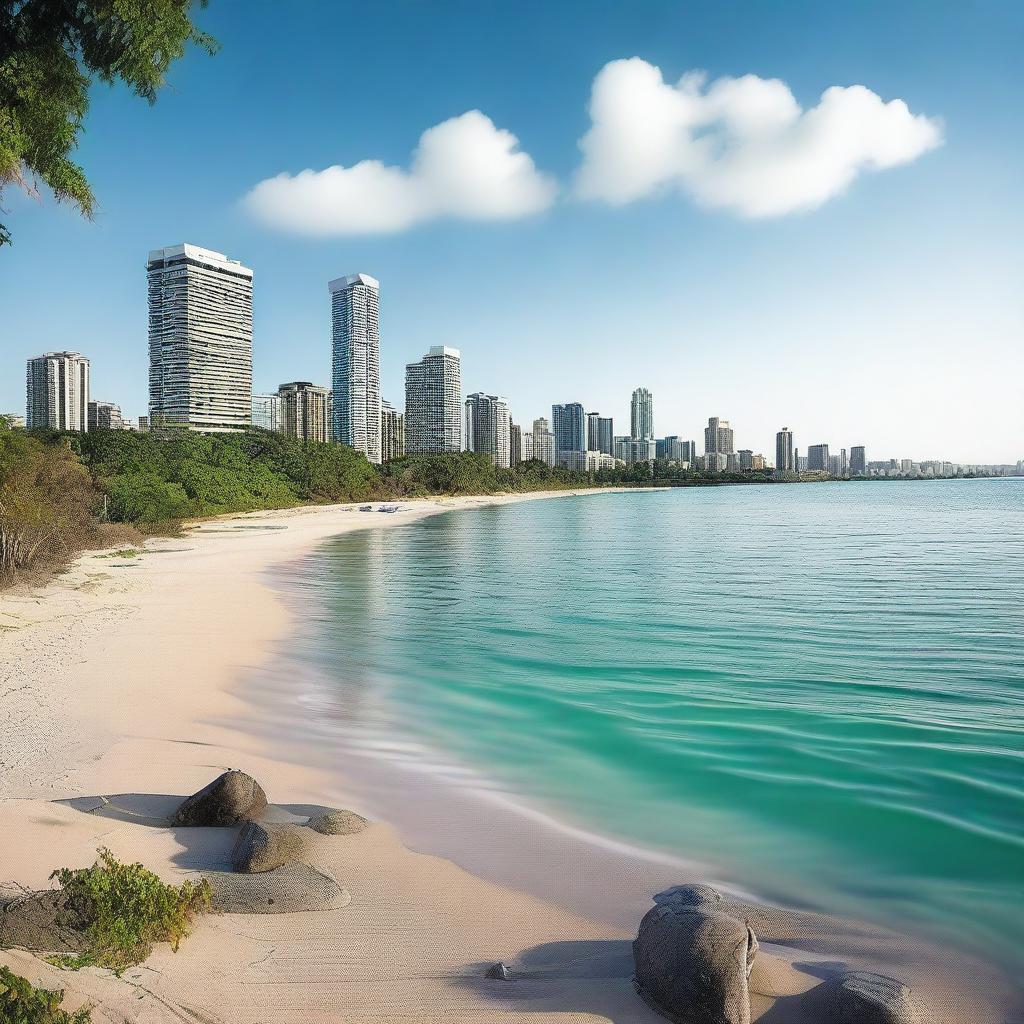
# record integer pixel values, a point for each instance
(818, 689)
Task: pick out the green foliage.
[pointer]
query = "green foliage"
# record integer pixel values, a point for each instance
(47, 501)
(51, 51)
(124, 909)
(23, 1003)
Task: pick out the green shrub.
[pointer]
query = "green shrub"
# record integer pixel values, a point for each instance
(123, 909)
(23, 1003)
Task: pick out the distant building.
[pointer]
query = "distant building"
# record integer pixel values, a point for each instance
(57, 392)
(515, 444)
(543, 442)
(600, 437)
(718, 437)
(433, 402)
(641, 416)
(392, 432)
(488, 427)
(817, 457)
(784, 461)
(355, 363)
(304, 411)
(266, 412)
(858, 460)
(105, 416)
(569, 425)
(745, 459)
(713, 462)
(13, 419)
(143, 425)
(200, 340)
(631, 449)
(672, 449)
(587, 462)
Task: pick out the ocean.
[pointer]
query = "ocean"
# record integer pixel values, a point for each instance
(816, 690)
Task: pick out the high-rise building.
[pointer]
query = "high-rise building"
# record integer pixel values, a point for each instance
(487, 427)
(392, 432)
(143, 424)
(718, 437)
(57, 391)
(600, 433)
(641, 416)
(304, 411)
(266, 412)
(200, 339)
(355, 363)
(543, 441)
(515, 444)
(858, 460)
(105, 416)
(673, 449)
(784, 451)
(569, 425)
(633, 449)
(817, 457)
(433, 402)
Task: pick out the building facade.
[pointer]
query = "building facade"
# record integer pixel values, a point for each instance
(718, 437)
(569, 425)
(641, 415)
(304, 411)
(355, 363)
(392, 432)
(633, 449)
(858, 460)
(488, 427)
(543, 441)
(784, 462)
(674, 449)
(266, 412)
(817, 458)
(587, 462)
(105, 416)
(200, 340)
(433, 402)
(57, 391)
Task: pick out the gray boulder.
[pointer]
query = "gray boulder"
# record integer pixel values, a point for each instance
(338, 823)
(693, 963)
(689, 896)
(286, 890)
(263, 847)
(861, 997)
(231, 798)
(499, 972)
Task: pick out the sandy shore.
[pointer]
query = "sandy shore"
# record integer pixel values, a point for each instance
(142, 678)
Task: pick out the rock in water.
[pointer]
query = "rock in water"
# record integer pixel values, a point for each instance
(693, 963)
(860, 997)
(263, 847)
(499, 972)
(232, 798)
(285, 890)
(338, 823)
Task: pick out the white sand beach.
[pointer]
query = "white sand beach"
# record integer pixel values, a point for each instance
(125, 678)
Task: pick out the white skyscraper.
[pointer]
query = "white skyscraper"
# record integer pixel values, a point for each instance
(355, 364)
(543, 441)
(642, 415)
(200, 339)
(433, 402)
(488, 427)
(57, 391)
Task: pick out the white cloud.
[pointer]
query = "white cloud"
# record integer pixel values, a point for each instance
(464, 167)
(742, 144)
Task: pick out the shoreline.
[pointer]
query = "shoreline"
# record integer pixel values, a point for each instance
(151, 675)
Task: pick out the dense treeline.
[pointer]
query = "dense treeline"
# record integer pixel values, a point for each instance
(60, 493)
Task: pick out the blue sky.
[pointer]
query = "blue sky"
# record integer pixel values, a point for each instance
(890, 315)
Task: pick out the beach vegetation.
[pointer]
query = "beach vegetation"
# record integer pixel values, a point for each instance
(122, 909)
(22, 1003)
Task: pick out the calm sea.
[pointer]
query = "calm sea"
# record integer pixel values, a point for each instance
(817, 689)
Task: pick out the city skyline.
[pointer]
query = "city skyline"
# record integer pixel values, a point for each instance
(891, 312)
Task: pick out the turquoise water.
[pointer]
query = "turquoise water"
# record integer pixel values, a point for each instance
(818, 690)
